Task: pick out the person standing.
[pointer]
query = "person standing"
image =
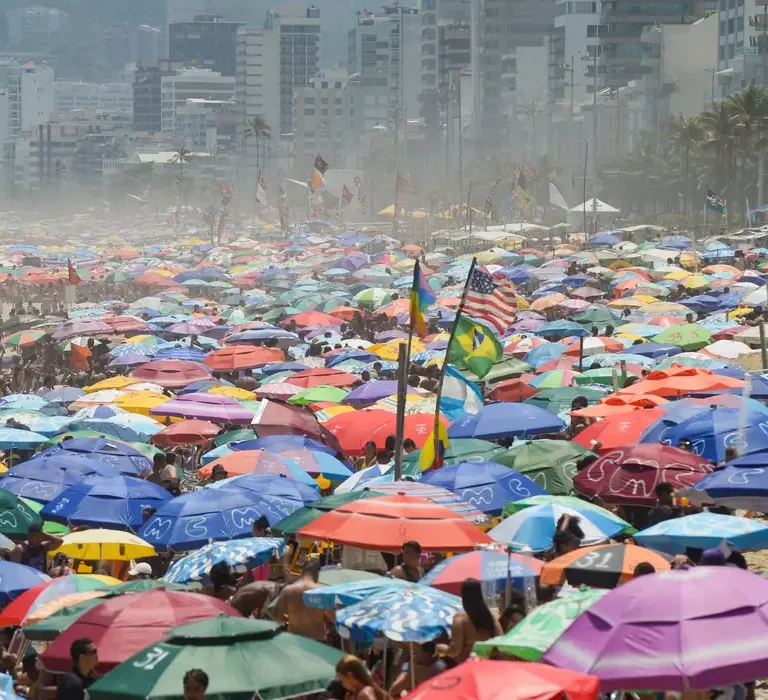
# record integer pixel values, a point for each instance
(195, 684)
(72, 685)
(302, 619)
(410, 570)
(34, 551)
(475, 623)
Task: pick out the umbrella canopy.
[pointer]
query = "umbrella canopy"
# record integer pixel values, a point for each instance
(403, 614)
(492, 569)
(498, 420)
(17, 578)
(704, 531)
(114, 453)
(116, 503)
(678, 636)
(312, 512)
(101, 544)
(387, 522)
(629, 475)
(480, 679)
(538, 630)
(124, 625)
(241, 555)
(462, 450)
(242, 357)
(242, 462)
(741, 483)
(15, 515)
(171, 374)
(206, 407)
(534, 528)
(253, 652)
(186, 432)
(602, 566)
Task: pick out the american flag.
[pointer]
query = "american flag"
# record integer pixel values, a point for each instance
(405, 186)
(362, 201)
(491, 299)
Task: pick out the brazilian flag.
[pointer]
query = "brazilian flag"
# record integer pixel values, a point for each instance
(475, 346)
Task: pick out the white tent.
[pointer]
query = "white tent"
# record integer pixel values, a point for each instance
(594, 206)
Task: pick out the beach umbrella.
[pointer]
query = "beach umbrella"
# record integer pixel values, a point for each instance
(241, 462)
(24, 339)
(538, 630)
(43, 477)
(17, 578)
(116, 503)
(242, 357)
(313, 511)
(242, 555)
(488, 486)
(678, 636)
(386, 522)
(318, 394)
(462, 450)
(601, 566)
(480, 679)
(171, 374)
(124, 625)
(186, 432)
(197, 518)
(129, 427)
(13, 438)
(31, 601)
(102, 544)
(618, 430)
(403, 614)
(15, 517)
(321, 376)
(593, 346)
(559, 401)
(113, 453)
(253, 652)
(688, 336)
(492, 569)
(551, 464)
(704, 531)
(499, 420)
(206, 407)
(740, 483)
(317, 463)
(628, 475)
(534, 528)
(341, 595)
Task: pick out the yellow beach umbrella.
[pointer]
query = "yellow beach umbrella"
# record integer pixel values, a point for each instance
(389, 351)
(390, 211)
(233, 392)
(140, 402)
(332, 411)
(116, 382)
(677, 275)
(696, 282)
(109, 545)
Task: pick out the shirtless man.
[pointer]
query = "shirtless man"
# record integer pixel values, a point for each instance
(302, 619)
(410, 570)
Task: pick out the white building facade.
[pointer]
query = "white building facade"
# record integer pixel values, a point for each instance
(175, 90)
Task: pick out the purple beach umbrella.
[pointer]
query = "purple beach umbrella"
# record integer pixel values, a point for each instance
(697, 629)
(370, 392)
(205, 407)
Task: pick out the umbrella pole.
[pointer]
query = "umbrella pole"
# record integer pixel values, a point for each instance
(403, 355)
(384, 665)
(412, 668)
(763, 348)
(508, 586)
(581, 353)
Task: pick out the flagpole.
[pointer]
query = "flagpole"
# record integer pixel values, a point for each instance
(439, 393)
(397, 204)
(469, 207)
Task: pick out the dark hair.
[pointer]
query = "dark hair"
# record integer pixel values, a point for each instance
(737, 559)
(412, 545)
(475, 606)
(311, 566)
(79, 647)
(221, 575)
(170, 458)
(35, 527)
(159, 459)
(197, 675)
(644, 568)
(664, 488)
(408, 443)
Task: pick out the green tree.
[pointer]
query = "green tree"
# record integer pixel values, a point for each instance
(257, 127)
(686, 134)
(181, 155)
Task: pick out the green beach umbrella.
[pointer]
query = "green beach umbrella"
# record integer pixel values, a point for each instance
(559, 399)
(530, 638)
(602, 376)
(48, 526)
(462, 450)
(234, 436)
(15, 515)
(687, 336)
(552, 464)
(596, 317)
(304, 516)
(244, 659)
(505, 368)
(319, 393)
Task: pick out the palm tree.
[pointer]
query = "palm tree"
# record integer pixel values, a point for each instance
(686, 135)
(751, 110)
(257, 128)
(720, 123)
(181, 155)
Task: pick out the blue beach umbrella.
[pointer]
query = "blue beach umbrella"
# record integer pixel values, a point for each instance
(704, 531)
(17, 578)
(12, 438)
(115, 503)
(488, 486)
(131, 427)
(342, 595)
(416, 614)
(498, 420)
(242, 555)
(740, 483)
(113, 453)
(534, 528)
(317, 463)
(282, 443)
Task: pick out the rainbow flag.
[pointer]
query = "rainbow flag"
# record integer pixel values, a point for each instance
(422, 297)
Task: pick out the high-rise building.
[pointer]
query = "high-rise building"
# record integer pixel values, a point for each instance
(184, 10)
(147, 89)
(32, 27)
(499, 28)
(272, 62)
(30, 93)
(742, 48)
(204, 42)
(128, 43)
(621, 45)
(108, 98)
(321, 124)
(188, 83)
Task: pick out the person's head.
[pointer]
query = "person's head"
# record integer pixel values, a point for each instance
(685, 444)
(511, 616)
(195, 684)
(221, 575)
(389, 443)
(665, 493)
(147, 513)
(408, 445)
(579, 402)
(84, 655)
(354, 674)
(475, 606)
(35, 536)
(142, 570)
(565, 542)
(260, 527)
(424, 654)
(737, 559)
(595, 331)
(713, 557)
(377, 367)
(689, 318)
(411, 553)
(311, 570)
(170, 458)
(644, 568)
(382, 457)
(218, 473)
(365, 375)
(158, 462)
(731, 453)
(609, 329)
(370, 449)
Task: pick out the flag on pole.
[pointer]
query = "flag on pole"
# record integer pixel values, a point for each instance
(428, 458)
(317, 178)
(261, 188)
(346, 195)
(493, 300)
(362, 202)
(459, 395)
(522, 181)
(422, 297)
(405, 186)
(715, 202)
(79, 356)
(72, 276)
(556, 197)
(488, 206)
(475, 346)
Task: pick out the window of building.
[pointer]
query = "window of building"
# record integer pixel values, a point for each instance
(324, 100)
(324, 85)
